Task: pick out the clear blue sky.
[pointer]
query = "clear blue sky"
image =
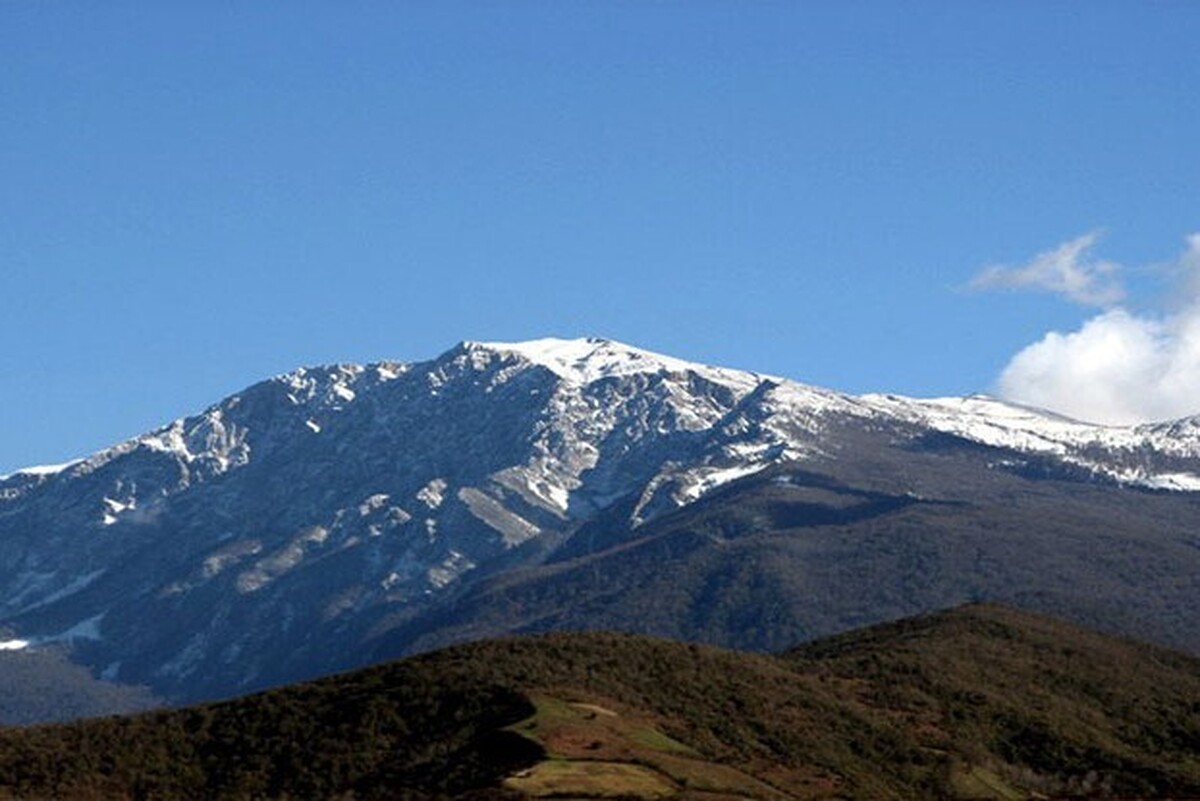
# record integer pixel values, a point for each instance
(195, 196)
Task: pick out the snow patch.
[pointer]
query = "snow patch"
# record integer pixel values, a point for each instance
(1184, 482)
(540, 484)
(114, 508)
(558, 496)
(999, 424)
(42, 469)
(388, 371)
(705, 480)
(583, 361)
(433, 493)
(373, 503)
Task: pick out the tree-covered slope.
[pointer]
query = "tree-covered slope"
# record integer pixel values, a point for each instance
(979, 702)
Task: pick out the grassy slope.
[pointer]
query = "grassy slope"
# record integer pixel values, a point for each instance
(978, 702)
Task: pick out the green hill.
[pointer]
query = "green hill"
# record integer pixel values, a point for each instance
(978, 702)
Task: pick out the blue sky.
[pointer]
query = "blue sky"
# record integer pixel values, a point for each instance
(195, 196)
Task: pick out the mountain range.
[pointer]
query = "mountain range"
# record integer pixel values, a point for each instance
(338, 516)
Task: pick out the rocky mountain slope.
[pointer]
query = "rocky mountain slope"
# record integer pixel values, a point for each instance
(336, 515)
(976, 703)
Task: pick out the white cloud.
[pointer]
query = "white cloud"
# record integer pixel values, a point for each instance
(1068, 270)
(1118, 367)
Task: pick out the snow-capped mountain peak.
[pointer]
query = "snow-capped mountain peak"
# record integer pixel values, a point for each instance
(333, 492)
(584, 360)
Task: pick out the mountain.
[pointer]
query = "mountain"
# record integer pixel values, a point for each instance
(42, 684)
(978, 702)
(335, 516)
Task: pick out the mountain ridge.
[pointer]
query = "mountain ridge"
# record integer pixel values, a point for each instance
(590, 359)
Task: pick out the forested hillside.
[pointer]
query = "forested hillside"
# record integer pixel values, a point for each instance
(979, 702)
